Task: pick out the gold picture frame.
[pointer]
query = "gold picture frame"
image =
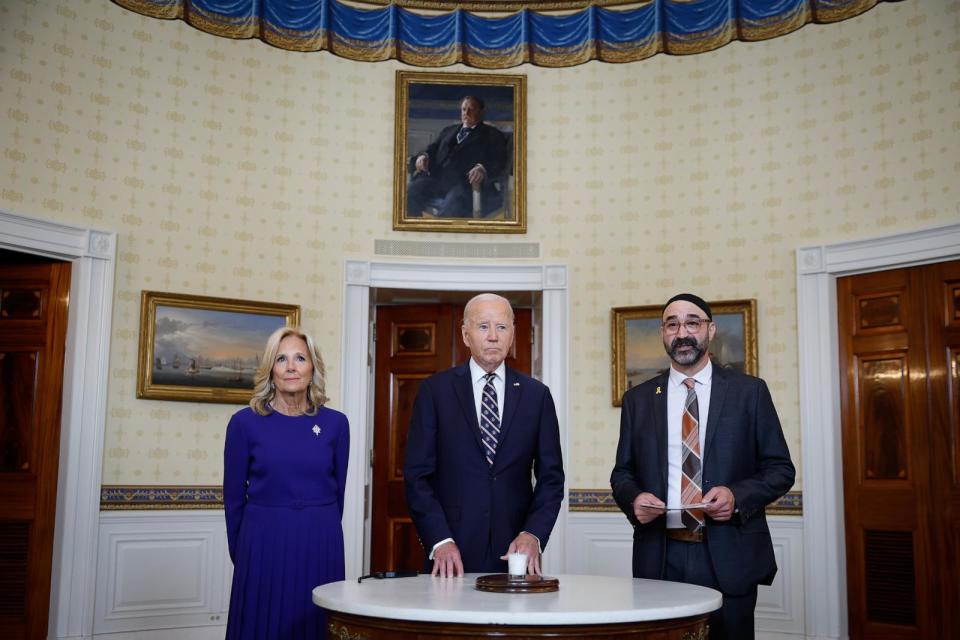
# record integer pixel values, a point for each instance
(204, 349)
(428, 117)
(638, 352)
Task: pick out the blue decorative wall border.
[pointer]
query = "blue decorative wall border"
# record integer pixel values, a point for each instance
(122, 497)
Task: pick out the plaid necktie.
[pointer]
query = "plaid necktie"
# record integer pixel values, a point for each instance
(691, 491)
(489, 419)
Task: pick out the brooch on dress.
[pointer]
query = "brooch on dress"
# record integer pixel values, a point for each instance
(316, 430)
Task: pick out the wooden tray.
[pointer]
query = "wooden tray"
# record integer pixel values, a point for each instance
(505, 583)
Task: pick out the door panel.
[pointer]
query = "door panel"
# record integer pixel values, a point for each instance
(899, 449)
(33, 320)
(412, 343)
(943, 333)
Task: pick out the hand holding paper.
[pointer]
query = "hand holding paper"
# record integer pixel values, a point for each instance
(719, 503)
(647, 507)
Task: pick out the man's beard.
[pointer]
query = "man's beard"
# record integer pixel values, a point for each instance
(689, 357)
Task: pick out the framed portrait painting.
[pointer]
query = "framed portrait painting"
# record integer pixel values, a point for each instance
(638, 351)
(202, 349)
(460, 153)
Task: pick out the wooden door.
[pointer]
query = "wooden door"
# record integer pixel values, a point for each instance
(412, 343)
(33, 323)
(943, 336)
(899, 336)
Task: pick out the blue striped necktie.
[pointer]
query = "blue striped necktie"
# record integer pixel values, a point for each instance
(489, 419)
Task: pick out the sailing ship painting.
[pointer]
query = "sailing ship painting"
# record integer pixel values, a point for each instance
(196, 347)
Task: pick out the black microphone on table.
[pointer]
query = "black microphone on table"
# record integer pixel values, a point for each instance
(380, 575)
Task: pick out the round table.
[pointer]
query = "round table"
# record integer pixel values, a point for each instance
(584, 606)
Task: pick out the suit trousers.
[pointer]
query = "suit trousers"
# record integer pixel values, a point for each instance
(689, 562)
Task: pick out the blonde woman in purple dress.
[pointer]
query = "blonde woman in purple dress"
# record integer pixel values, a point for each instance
(285, 470)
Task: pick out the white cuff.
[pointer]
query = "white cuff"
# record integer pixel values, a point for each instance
(434, 550)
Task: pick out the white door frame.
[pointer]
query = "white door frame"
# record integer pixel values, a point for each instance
(92, 255)
(818, 267)
(360, 278)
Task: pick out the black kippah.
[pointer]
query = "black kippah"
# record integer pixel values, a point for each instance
(689, 297)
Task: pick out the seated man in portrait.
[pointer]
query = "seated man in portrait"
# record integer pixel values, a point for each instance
(464, 158)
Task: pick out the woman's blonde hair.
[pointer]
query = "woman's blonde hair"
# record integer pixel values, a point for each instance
(263, 387)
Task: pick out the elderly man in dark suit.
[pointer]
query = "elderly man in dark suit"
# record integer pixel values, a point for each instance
(477, 433)
(695, 490)
(465, 157)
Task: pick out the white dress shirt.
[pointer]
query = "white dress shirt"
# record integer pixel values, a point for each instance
(479, 378)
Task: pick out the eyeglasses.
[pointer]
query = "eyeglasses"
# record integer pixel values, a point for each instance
(692, 325)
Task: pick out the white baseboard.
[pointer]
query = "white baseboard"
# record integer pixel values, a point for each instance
(602, 544)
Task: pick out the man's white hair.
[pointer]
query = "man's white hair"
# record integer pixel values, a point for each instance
(484, 297)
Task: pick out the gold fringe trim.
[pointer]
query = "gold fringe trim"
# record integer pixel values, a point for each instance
(495, 58)
(775, 27)
(563, 57)
(363, 51)
(849, 11)
(687, 44)
(419, 57)
(151, 9)
(237, 28)
(629, 53)
(295, 40)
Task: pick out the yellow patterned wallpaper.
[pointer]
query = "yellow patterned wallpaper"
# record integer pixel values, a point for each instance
(233, 169)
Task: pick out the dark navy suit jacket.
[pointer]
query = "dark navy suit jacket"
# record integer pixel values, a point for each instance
(449, 164)
(451, 490)
(744, 451)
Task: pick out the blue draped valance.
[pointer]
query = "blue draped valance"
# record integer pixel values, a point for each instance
(500, 33)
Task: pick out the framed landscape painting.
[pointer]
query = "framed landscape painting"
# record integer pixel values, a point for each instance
(638, 352)
(203, 349)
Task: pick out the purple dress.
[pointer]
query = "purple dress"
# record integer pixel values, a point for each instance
(283, 486)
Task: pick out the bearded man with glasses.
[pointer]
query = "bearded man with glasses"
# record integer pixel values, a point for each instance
(701, 454)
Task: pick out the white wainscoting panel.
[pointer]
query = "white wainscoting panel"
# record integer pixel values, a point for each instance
(161, 570)
(599, 544)
(602, 544)
(780, 606)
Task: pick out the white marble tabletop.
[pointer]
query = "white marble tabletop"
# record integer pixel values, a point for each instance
(580, 600)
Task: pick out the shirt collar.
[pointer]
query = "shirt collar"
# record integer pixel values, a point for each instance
(477, 372)
(704, 376)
